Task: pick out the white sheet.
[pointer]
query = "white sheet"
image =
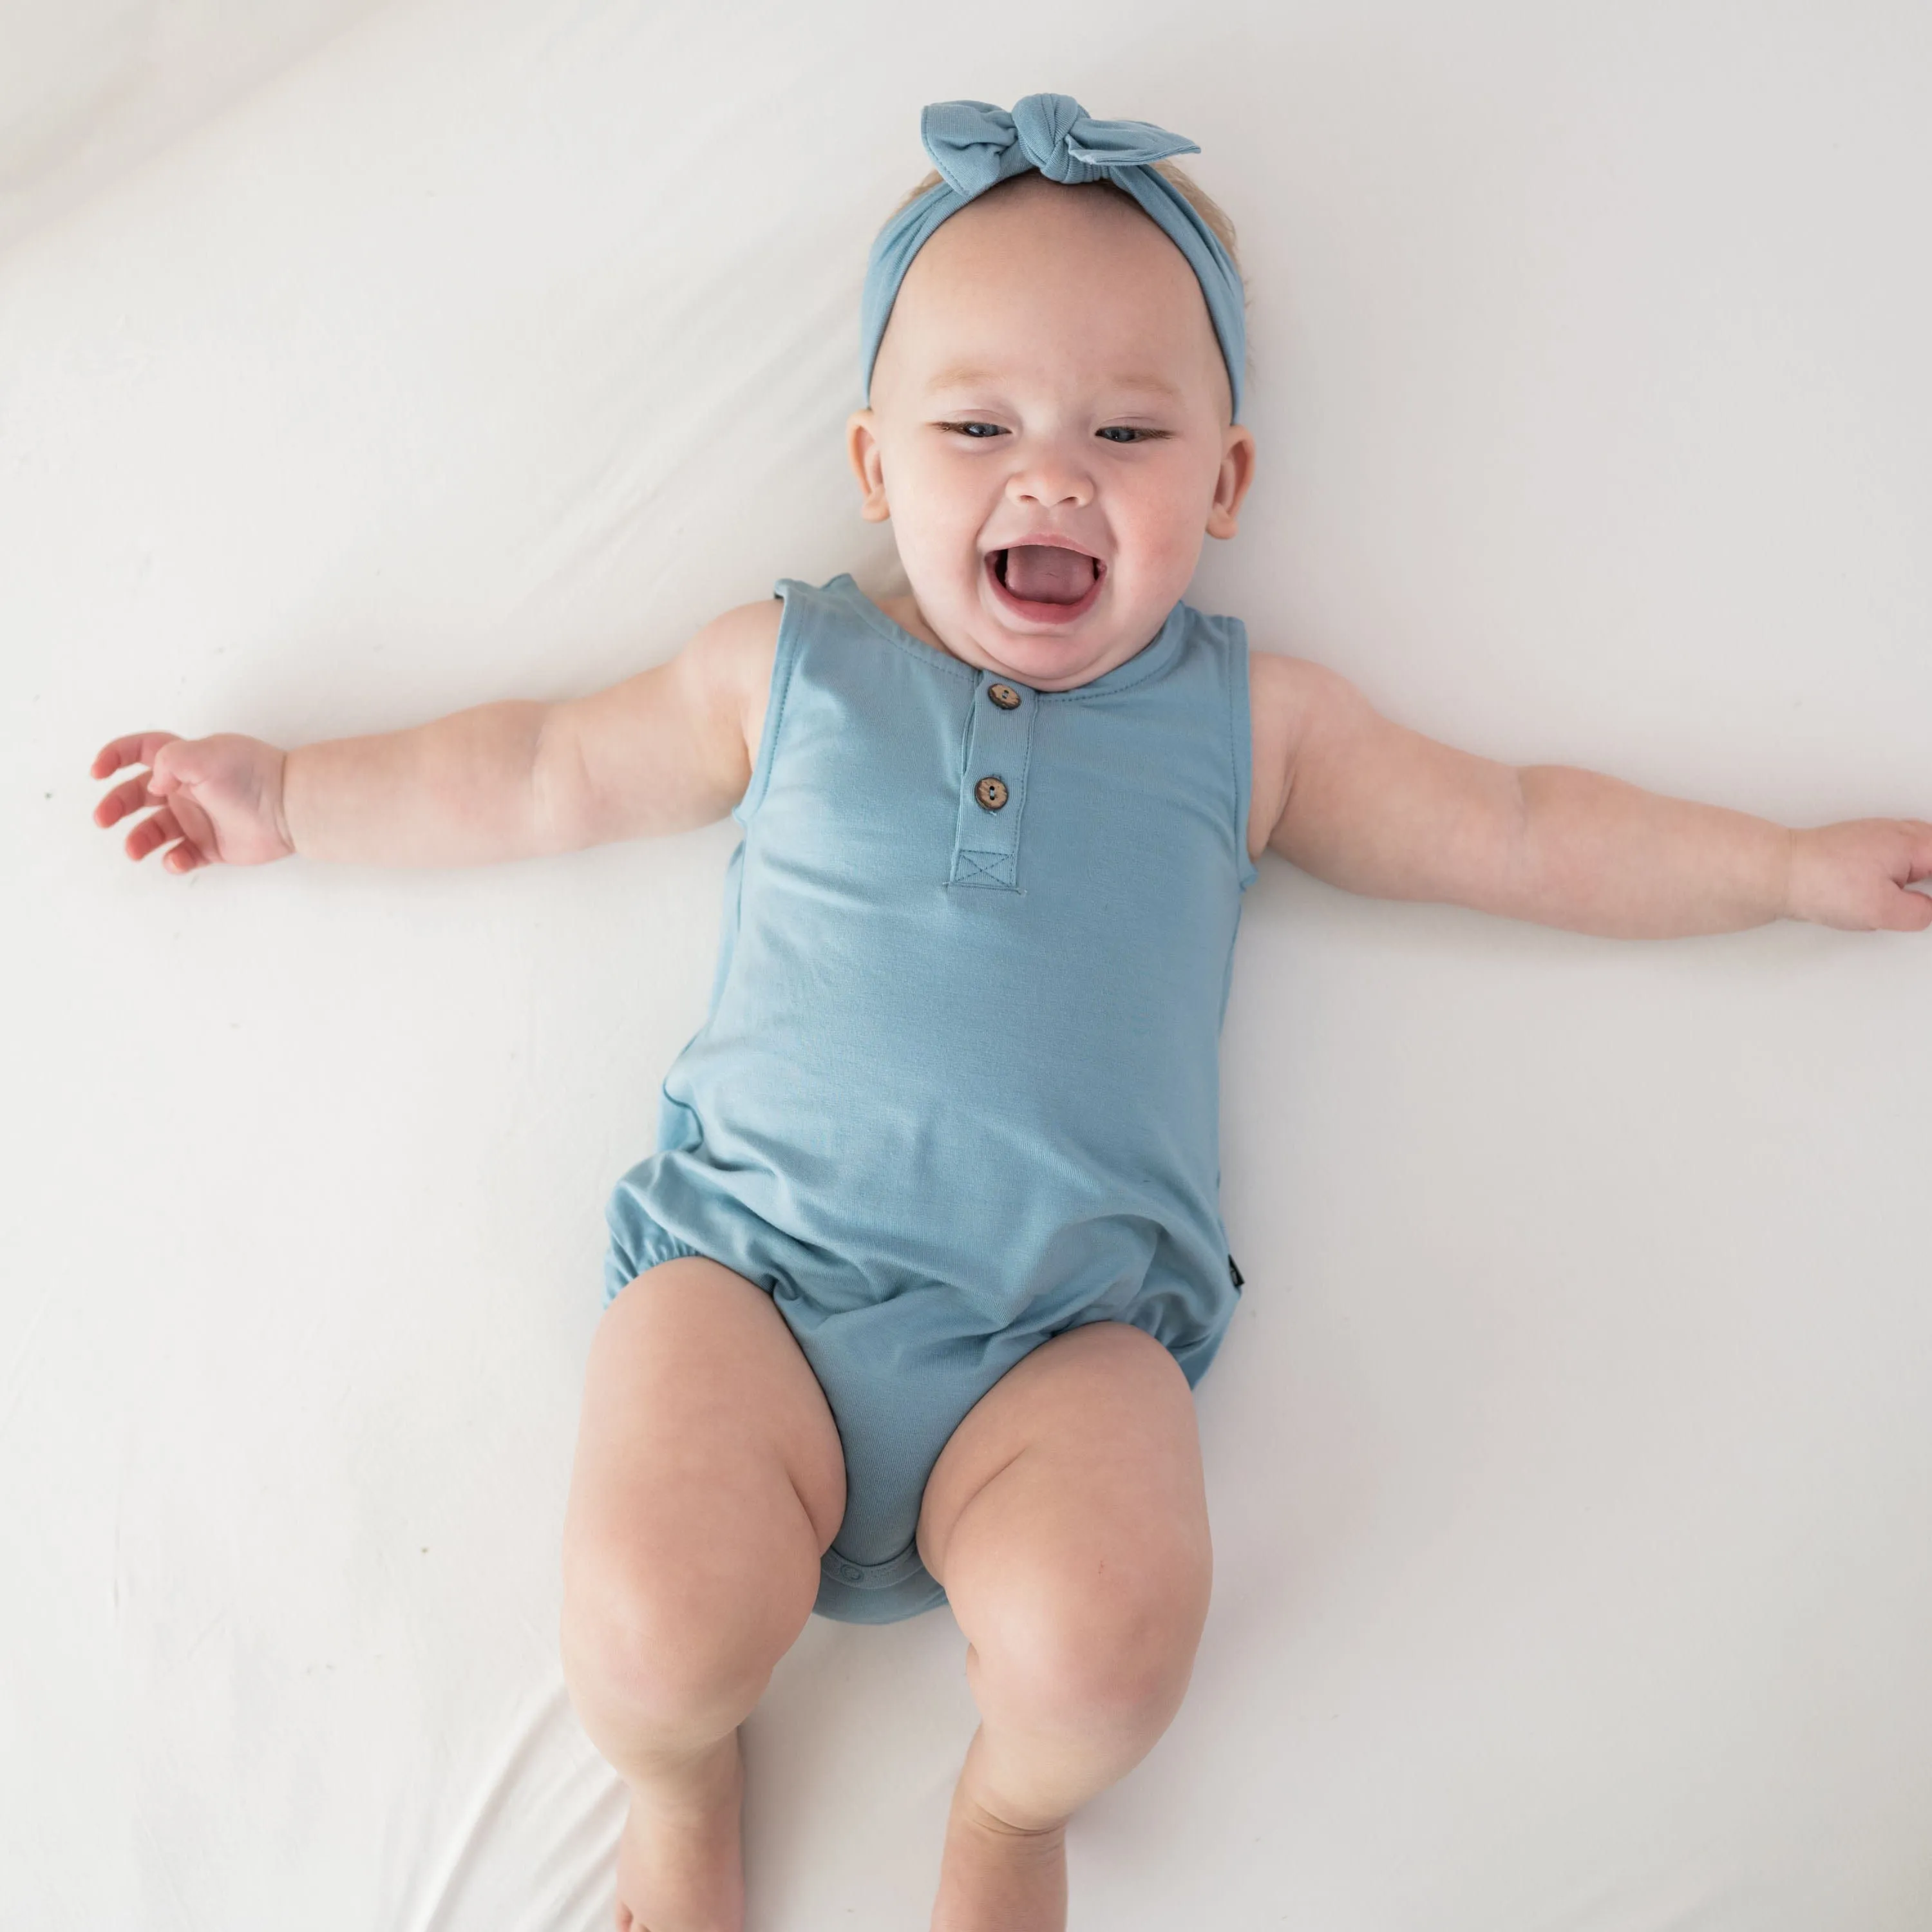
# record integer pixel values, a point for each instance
(1568, 1462)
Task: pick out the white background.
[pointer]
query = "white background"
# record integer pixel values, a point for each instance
(1569, 1459)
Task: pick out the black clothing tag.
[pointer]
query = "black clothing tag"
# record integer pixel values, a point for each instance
(1235, 1273)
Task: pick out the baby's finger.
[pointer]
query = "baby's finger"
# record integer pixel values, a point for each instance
(185, 857)
(1918, 849)
(1909, 911)
(133, 796)
(164, 828)
(138, 749)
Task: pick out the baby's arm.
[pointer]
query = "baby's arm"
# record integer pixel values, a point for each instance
(665, 750)
(1372, 807)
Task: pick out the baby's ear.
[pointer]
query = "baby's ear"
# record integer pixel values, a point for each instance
(862, 446)
(1231, 485)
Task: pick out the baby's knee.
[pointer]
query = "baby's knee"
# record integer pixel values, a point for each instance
(1110, 1651)
(680, 1661)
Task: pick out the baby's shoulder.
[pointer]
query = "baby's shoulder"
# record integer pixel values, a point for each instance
(1285, 697)
(732, 656)
(1285, 694)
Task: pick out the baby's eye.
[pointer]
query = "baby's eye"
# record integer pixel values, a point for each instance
(1125, 433)
(979, 431)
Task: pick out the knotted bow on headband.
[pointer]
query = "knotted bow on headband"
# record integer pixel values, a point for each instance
(975, 145)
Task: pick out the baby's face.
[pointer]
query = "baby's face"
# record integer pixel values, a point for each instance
(1048, 432)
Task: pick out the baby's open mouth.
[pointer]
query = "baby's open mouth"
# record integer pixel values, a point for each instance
(1049, 583)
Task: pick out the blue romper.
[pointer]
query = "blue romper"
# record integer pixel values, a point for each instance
(958, 1090)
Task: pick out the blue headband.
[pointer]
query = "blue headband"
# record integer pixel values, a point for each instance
(975, 145)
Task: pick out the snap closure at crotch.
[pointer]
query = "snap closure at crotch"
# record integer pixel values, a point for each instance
(1003, 695)
(992, 792)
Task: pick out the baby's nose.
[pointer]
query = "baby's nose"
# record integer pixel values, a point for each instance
(1052, 482)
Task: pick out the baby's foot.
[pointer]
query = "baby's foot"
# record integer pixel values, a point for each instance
(994, 1878)
(680, 1865)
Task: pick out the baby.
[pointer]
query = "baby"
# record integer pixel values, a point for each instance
(908, 1305)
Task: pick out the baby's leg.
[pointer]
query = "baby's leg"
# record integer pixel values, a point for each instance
(708, 1481)
(1068, 1521)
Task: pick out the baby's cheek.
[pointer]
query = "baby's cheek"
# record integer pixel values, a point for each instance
(946, 517)
(1171, 547)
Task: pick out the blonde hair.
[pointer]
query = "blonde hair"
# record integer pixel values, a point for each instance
(1209, 210)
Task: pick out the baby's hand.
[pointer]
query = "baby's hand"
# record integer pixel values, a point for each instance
(221, 797)
(1856, 875)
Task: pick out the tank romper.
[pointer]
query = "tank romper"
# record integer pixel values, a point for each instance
(959, 1087)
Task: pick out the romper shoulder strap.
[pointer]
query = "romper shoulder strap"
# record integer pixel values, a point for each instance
(1223, 642)
(805, 605)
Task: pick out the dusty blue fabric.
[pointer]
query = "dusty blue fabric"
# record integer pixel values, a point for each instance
(958, 1089)
(974, 144)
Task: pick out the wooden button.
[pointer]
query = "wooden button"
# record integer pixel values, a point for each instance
(992, 792)
(1003, 695)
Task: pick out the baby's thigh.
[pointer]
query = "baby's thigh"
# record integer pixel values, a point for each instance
(1067, 1517)
(708, 1476)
